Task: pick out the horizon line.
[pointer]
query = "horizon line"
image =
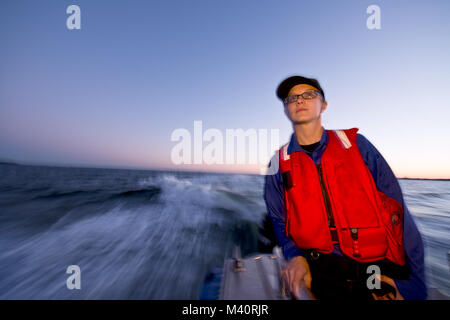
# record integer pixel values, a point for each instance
(82, 166)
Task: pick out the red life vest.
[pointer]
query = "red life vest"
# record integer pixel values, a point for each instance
(338, 202)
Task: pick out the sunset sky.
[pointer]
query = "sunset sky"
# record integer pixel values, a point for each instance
(112, 93)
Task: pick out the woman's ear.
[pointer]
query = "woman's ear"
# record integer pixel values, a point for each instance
(324, 106)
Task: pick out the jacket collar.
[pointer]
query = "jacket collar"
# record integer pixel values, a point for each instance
(294, 146)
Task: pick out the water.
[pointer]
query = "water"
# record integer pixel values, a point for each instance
(429, 204)
(151, 234)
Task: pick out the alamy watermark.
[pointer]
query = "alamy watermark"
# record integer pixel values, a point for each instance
(234, 146)
(74, 280)
(74, 20)
(373, 281)
(373, 22)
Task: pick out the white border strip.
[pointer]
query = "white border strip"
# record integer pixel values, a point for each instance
(344, 139)
(285, 154)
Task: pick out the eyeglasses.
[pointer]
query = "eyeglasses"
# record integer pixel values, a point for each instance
(307, 95)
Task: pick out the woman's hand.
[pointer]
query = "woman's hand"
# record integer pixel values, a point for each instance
(296, 275)
(390, 295)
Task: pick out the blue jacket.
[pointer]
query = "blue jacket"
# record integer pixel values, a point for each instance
(386, 182)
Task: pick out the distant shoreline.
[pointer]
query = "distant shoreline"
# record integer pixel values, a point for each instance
(13, 163)
(10, 163)
(423, 179)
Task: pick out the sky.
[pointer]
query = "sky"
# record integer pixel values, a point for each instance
(113, 93)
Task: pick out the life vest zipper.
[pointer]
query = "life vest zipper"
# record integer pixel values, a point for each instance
(326, 199)
(331, 225)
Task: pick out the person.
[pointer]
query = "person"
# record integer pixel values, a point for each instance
(338, 211)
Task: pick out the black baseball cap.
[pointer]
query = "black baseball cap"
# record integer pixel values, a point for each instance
(286, 85)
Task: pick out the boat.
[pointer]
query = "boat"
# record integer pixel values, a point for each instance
(257, 276)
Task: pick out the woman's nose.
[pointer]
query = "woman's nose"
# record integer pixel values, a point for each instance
(300, 100)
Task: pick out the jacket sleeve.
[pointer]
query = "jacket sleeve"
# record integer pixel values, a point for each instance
(386, 182)
(275, 203)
